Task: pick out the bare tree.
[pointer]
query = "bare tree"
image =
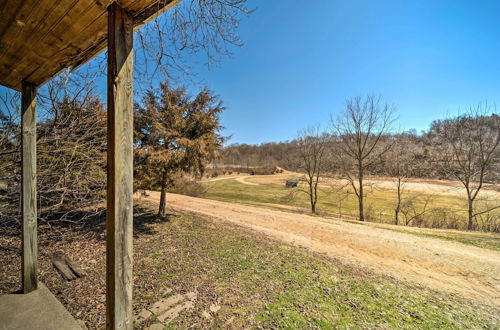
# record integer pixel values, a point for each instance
(311, 153)
(71, 158)
(359, 129)
(399, 165)
(471, 143)
(414, 208)
(169, 43)
(338, 191)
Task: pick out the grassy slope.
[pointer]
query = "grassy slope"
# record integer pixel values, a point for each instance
(263, 283)
(482, 240)
(233, 191)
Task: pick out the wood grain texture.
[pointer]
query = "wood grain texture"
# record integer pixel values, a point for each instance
(120, 169)
(68, 269)
(28, 189)
(40, 38)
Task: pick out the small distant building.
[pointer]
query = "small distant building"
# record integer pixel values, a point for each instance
(291, 184)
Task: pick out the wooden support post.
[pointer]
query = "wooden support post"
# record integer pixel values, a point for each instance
(120, 170)
(28, 188)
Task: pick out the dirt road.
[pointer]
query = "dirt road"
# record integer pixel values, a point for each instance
(448, 266)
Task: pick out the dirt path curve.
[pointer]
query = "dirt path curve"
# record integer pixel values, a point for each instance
(240, 179)
(453, 267)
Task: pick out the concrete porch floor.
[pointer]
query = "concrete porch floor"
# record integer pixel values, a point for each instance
(36, 310)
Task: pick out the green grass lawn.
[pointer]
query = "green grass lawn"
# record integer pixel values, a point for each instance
(261, 283)
(381, 202)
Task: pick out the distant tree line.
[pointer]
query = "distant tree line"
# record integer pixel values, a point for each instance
(361, 142)
(424, 156)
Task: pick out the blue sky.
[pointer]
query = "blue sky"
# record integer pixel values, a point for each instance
(302, 59)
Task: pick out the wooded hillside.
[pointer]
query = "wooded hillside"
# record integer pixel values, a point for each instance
(425, 149)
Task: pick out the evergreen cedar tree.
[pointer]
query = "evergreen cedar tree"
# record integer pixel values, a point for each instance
(174, 133)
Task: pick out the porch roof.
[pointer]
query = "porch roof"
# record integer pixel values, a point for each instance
(41, 38)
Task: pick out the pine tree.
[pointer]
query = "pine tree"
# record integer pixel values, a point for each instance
(174, 133)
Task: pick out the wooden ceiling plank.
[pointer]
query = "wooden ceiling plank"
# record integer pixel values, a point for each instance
(70, 57)
(33, 40)
(26, 28)
(96, 47)
(134, 6)
(40, 38)
(14, 24)
(52, 43)
(3, 13)
(151, 12)
(18, 44)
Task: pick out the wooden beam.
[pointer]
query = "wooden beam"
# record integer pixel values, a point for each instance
(28, 188)
(120, 170)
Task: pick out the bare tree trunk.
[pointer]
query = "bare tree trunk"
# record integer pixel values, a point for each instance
(315, 199)
(470, 213)
(360, 194)
(311, 193)
(313, 204)
(398, 204)
(162, 210)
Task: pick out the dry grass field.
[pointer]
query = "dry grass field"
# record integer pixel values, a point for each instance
(444, 201)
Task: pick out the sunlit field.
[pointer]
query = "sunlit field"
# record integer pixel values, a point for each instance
(421, 209)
